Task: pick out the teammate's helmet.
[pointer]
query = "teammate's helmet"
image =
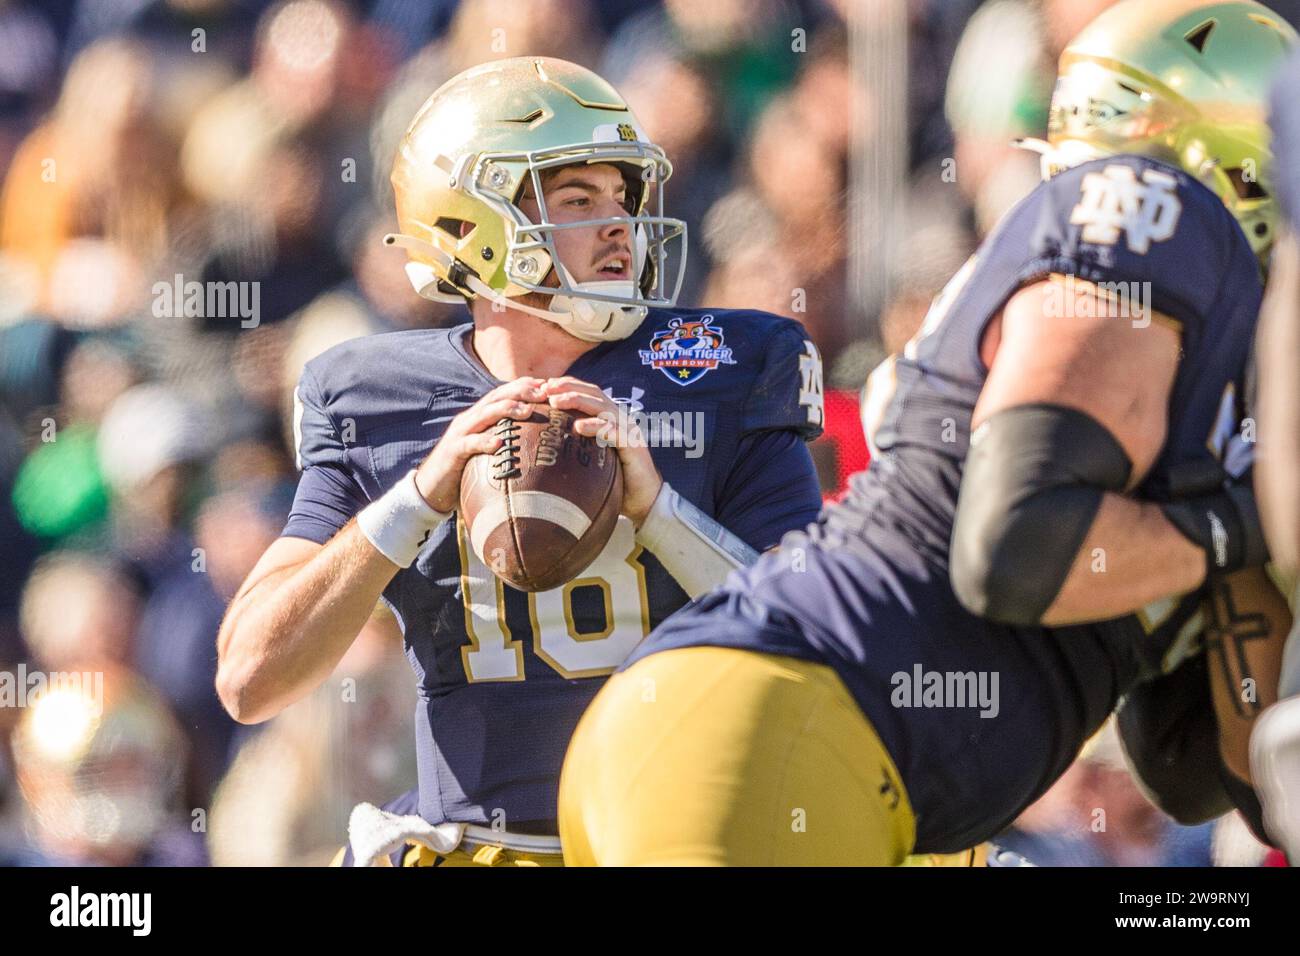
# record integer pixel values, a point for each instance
(465, 161)
(1183, 81)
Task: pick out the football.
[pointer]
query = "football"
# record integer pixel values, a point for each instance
(541, 508)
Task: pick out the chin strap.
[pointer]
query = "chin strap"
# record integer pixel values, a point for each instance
(425, 280)
(1032, 144)
(614, 321)
(1054, 159)
(570, 313)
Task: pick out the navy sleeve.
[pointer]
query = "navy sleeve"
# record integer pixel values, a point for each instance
(326, 499)
(328, 494)
(787, 392)
(771, 489)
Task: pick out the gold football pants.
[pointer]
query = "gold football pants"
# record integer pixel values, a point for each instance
(467, 854)
(714, 756)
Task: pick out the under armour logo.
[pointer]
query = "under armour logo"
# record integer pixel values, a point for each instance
(1114, 200)
(633, 403)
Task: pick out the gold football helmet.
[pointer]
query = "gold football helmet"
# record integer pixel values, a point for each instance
(465, 161)
(1183, 81)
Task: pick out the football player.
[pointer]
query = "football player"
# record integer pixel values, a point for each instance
(1275, 744)
(526, 188)
(1058, 490)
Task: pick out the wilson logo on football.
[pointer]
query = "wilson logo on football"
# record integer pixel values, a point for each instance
(1114, 200)
(687, 350)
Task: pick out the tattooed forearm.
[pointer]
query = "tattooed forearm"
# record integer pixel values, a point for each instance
(1230, 631)
(1248, 620)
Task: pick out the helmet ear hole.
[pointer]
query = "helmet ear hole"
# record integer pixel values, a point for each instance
(456, 228)
(1245, 187)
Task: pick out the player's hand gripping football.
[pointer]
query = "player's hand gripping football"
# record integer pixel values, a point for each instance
(641, 479)
(438, 477)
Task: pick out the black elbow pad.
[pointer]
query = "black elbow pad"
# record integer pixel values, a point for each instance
(1033, 481)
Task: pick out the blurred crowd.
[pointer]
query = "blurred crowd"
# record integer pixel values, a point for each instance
(145, 450)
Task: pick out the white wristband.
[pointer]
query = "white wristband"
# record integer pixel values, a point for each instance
(399, 523)
(697, 551)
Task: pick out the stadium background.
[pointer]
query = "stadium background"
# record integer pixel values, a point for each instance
(836, 161)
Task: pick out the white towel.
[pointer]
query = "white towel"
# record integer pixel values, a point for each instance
(375, 833)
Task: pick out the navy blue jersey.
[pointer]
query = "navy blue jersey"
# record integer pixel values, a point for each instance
(866, 590)
(503, 675)
(1285, 120)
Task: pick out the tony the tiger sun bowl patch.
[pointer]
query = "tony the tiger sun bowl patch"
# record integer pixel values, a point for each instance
(687, 349)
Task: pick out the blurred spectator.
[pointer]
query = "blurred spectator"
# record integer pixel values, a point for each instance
(79, 610)
(176, 644)
(492, 29)
(98, 759)
(60, 492)
(379, 285)
(165, 24)
(1096, 816)
(98, 169)
(746, 46)
(349, 741)
(12, 841)
(28, 72)
(149, 443)
(934, 28)
(18, 548)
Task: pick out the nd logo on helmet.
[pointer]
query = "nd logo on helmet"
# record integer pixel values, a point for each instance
(626, 132)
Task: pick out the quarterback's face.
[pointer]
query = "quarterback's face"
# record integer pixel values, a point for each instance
(579, 192)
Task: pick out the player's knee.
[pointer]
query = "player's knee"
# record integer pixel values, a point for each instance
(1169, 739)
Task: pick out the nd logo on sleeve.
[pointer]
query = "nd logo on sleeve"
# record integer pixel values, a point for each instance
(1146, 211)
(810, 384)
